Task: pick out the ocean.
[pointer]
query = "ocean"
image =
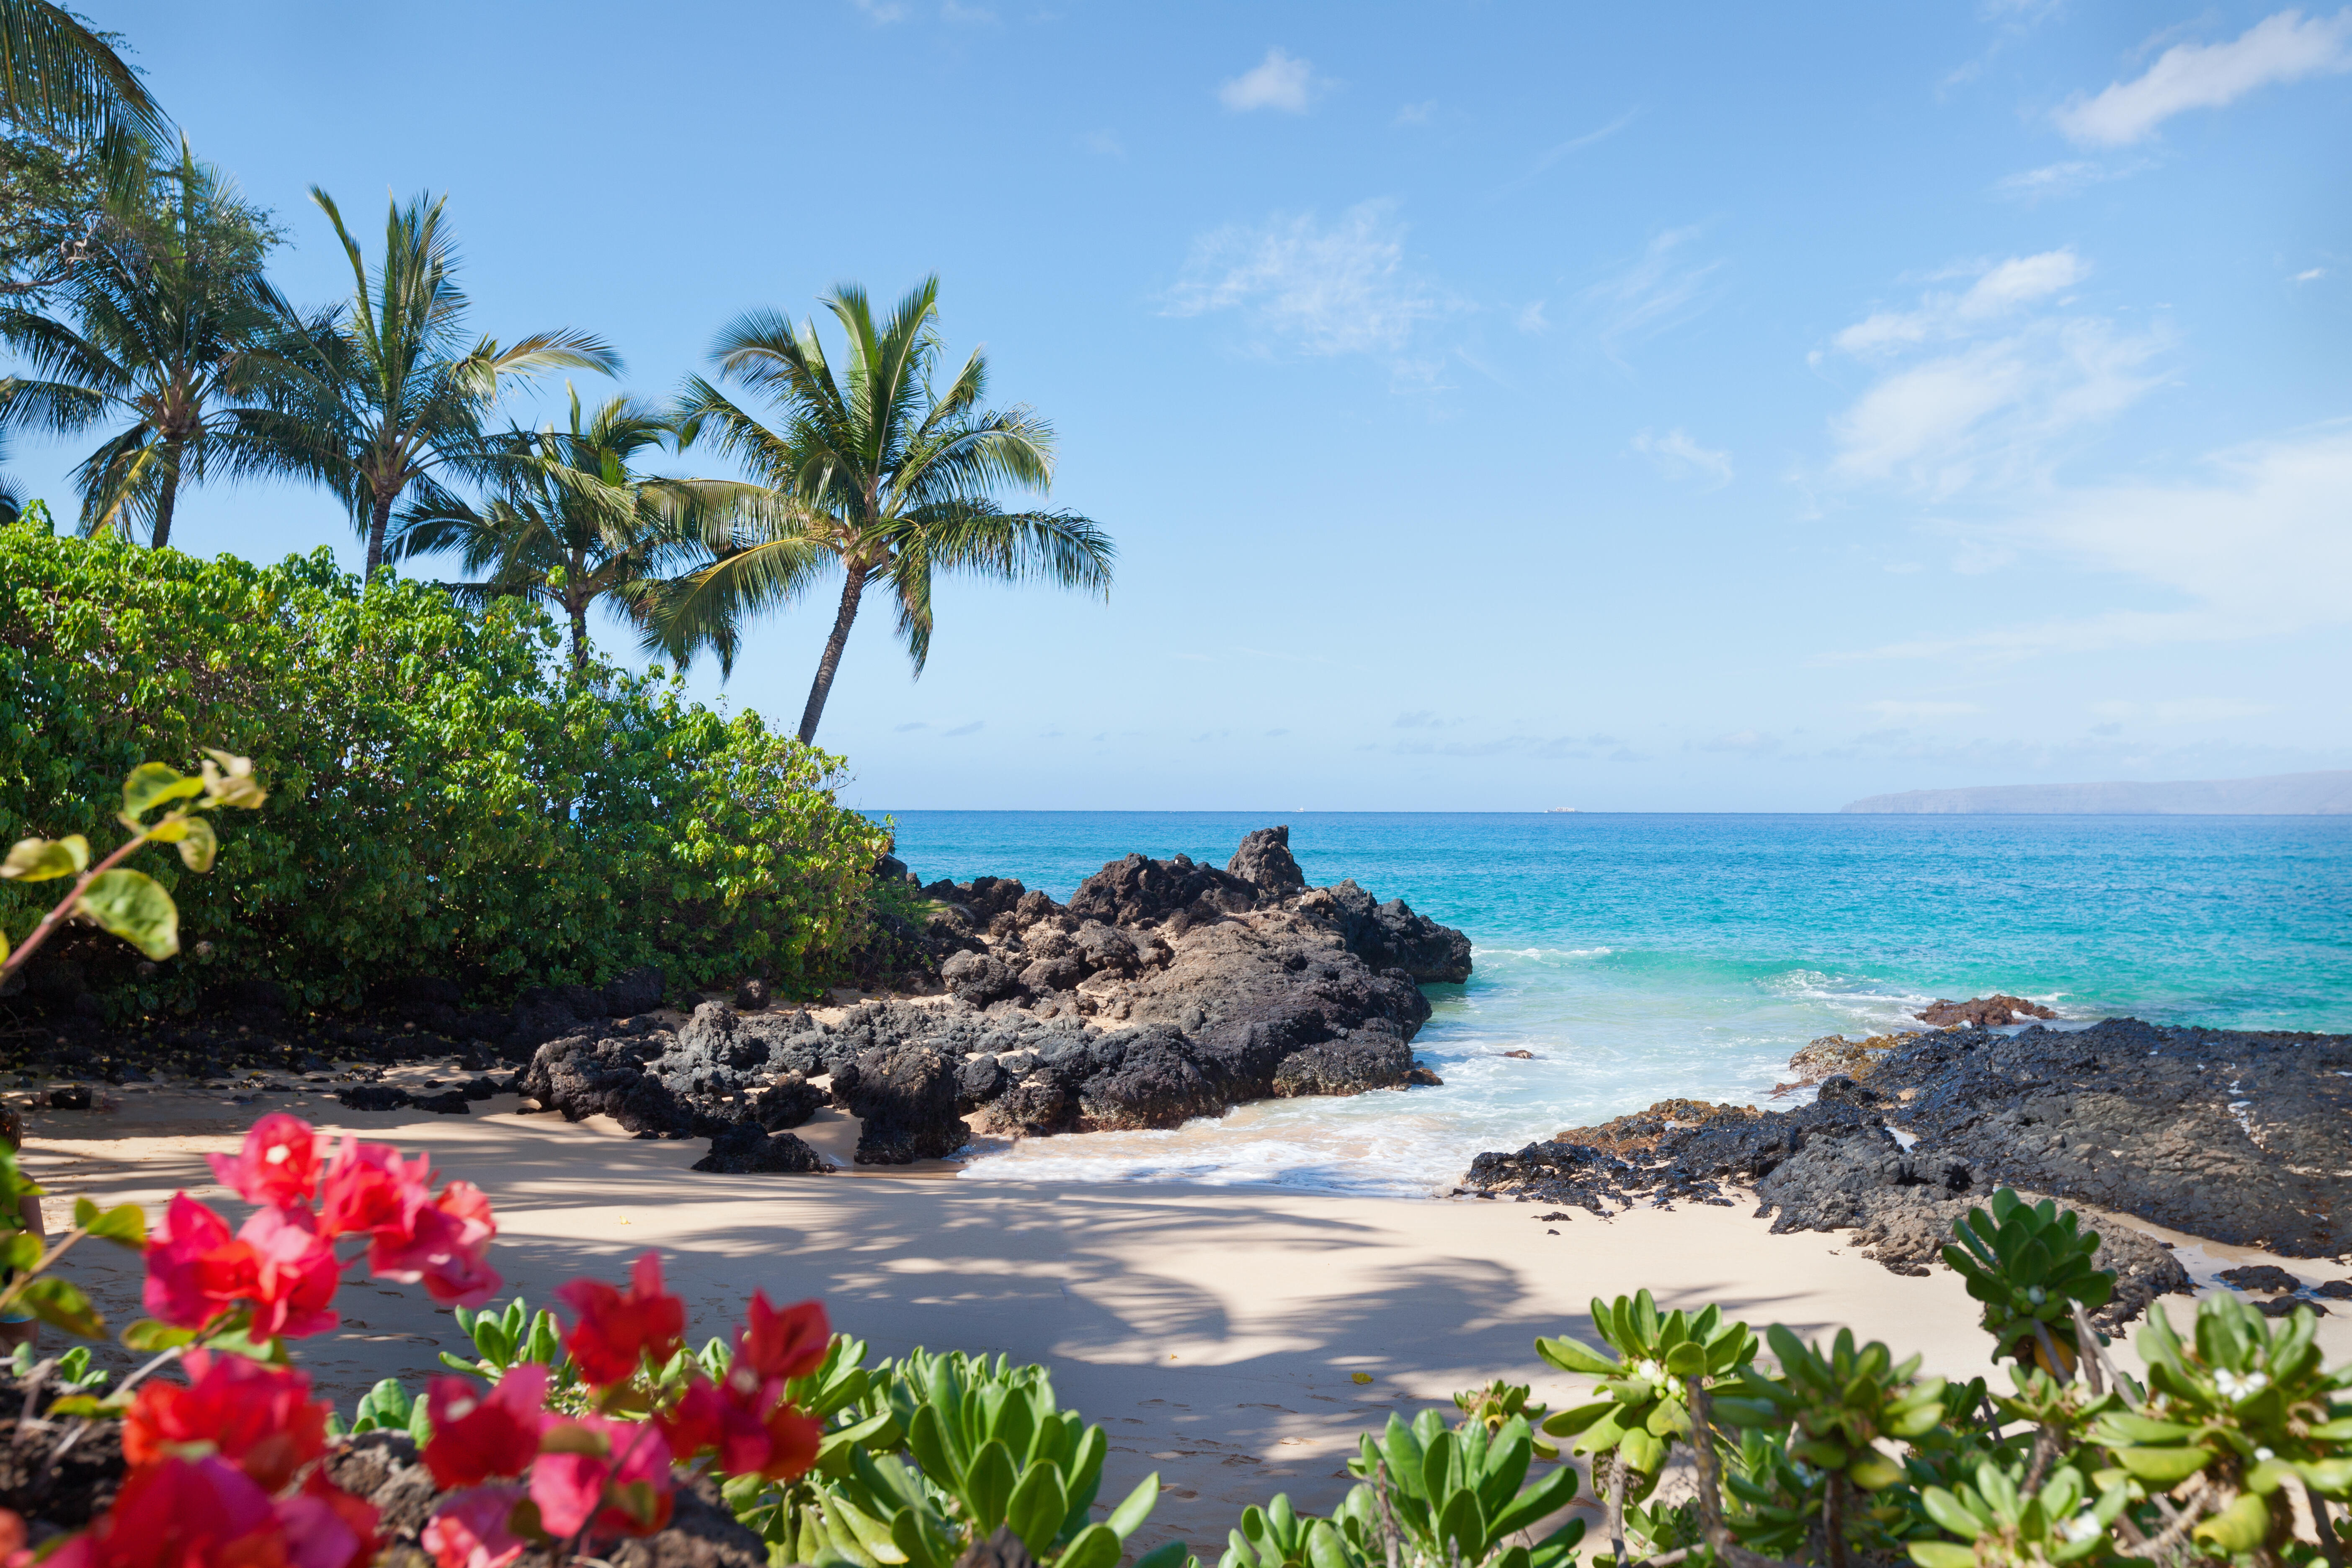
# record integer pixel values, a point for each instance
(1641, 957)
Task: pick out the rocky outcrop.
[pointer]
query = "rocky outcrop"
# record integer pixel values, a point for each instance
(1991, 1012)
(744, 1150)
(2233, 1135)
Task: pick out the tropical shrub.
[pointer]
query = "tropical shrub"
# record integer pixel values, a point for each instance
(447, 797)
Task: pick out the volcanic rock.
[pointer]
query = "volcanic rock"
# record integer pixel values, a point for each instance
(1985, 1011)
(744, 1150)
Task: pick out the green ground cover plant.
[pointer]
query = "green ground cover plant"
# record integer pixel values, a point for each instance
(446, 796)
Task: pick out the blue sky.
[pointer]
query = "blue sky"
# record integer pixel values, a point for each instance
(1497, 406)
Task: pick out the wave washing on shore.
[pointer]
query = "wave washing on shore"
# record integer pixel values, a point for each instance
(1640, 958)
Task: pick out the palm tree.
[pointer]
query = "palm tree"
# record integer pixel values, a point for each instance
(173, 326)
(571, 521)
(393, 392)
(57, 73)
(871, 472)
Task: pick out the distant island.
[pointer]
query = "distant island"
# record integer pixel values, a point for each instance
(2281, 795)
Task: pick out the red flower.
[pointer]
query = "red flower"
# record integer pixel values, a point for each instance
(477, 1436)
(369, 1188)
(608, 1474)
(260, 1418)
(326, 1527)
(616, 1327)
(792, 1439)
(182, 1513)
(444, 1246)
(279, 1166)
(756, 1431)
(196, 1269)
(296, 1273)
(473, 1529)
(790, 1343)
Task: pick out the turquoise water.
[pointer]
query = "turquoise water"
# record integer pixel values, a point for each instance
(1645, 956)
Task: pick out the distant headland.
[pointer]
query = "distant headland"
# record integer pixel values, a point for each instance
(2280, 794)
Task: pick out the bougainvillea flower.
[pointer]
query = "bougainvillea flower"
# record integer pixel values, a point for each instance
(792, 1439)
(473, 1529)
(325, 1527)
(616, 1327)
(706, 1418)
(182, 1513)
(608, 1475)
(790, 1343)
(260, 1418)
(295, 1276)
(195, 1268)
(445, 1246)
(278, 1164)
(369, 1188)
(477, 1436)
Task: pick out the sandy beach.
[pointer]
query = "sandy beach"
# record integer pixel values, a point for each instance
(1216, 1333)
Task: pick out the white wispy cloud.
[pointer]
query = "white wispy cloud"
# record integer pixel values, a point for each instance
(2255, 547)
(2054, 182)
(1677, 456)
(1893, 709)
(1997, 291)
(1278, 81)
(883, 10)
(1341, 288)
(1103, 143)
(1661, 289)
(1421, 113)
(2311, 274)
(2287, 47)
(2005, 375)
(1553, 155)
(1532, 321)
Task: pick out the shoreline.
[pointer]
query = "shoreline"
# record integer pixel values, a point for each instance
(1214, 1332)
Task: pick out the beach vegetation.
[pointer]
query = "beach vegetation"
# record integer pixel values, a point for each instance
(2029, 1264)
(872, 469)
(449, 797)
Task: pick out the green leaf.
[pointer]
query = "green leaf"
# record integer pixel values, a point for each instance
(1942, 1555)
(125, 1225)
(151, 785)
(2163, 1466)
(149, 1336)
(1095, 1546)
(1570, 1356)
(988, 1486)
(1136, 1508)
(2240, 1526)
(60, 1303)
(39, 859)
(198, 845)
(1037, 1507)
(1687, 1359)
(22, 1250)
(1169, 1554)
(134, 907)
(229, 781)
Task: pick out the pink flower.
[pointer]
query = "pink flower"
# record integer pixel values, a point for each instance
(296, 1273)
(326, 1527)
(182, 1513)
(279, 1166)
(790, 1343)
(443, 1247)
(477, 1436)
(195, 1268)
(613, 1475)
(618, 1327)
(472, 1528)
(369, 1188)
(260, 1417)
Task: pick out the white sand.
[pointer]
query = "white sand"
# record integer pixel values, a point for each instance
(1214, 1332)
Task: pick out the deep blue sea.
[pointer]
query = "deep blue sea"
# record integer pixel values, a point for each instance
(1646, 956)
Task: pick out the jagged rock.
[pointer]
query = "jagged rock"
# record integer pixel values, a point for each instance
(1390, 936)
(1984, 1012)
(906, 1098)
(1057, 974)
(373, 1097)
(745, 1149)
(752, 995)
(1263, 860)
(73, 1097)
(2233, 1135)
(1033, 906)
(448, 1102)
(978, 979)
(789, 1101)
(1834, 1055)
(480, 1088)
(1147, 1078)
(1138, 890)
(1107, 950)
(1639, 1132)
(1367, 1059)
(1908, 1228)
(2268, 1277)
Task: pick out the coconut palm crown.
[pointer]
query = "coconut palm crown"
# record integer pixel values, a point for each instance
(869, 470)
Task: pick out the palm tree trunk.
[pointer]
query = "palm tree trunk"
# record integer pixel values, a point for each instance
(825, 666)
(579, 608)
(170, 496)
(380, 518)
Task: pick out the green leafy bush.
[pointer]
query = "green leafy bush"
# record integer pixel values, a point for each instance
(445, 797)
